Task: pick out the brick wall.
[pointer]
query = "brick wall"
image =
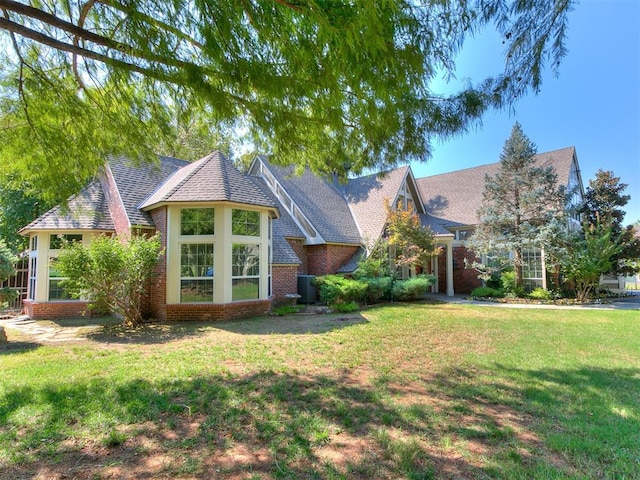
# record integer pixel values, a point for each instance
(157, 290)
(324, 259)
(464, 279)
(299, 248)
(38, 310)
(225, 311)
(284, 279)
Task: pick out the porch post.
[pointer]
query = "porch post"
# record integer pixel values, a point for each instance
(435, 288)
(449, 244)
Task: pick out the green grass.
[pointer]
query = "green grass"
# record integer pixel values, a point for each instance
(401, 391)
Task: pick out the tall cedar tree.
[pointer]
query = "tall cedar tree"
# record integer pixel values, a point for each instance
(603, 202)
(518, 204)
(338, 86)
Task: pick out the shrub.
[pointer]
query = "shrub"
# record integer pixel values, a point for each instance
(335, 290)
(111, 271)
(347, 307)
(487, 292)
(541, 294)
(495, 281)
(508, 280)
(413, 288)
(376, 264)
(378, 288)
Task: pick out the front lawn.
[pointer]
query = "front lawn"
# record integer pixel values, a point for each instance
(397, 391)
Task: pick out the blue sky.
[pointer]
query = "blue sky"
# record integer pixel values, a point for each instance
(594, 103)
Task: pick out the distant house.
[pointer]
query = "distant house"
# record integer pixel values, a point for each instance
(236, 242)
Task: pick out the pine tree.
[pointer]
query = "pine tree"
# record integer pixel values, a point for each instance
(603, 202)
(519, 205)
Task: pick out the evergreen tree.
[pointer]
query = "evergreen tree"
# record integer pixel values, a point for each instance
(338, 86)
(521, 205)
(603, 202)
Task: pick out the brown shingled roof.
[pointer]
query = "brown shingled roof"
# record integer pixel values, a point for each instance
(87, 210)
(456, 196)
(210, 179)
(366, 197)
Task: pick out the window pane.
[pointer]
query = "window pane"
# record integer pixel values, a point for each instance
(196, 260)
(245, 289)
(245, 222)
(245, 260)
(56, 291)
(196, 290)
(57, 241)
(196, 221)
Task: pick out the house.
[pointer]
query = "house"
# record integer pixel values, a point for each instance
(453, 199)
(236, 242)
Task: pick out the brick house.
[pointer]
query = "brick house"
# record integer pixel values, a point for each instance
(236, 242)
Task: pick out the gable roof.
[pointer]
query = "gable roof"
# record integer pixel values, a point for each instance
(210, 179)
(454, 197)
(321, 202)
(367, 196)
(137, 182)
(88, 210)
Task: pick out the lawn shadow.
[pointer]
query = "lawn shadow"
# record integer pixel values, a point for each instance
(552, 422)
(573, 418)
(292, 324)
(148, 333)
(265, 424)
(10, 347)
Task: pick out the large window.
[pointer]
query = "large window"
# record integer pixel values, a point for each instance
(532, 271)
(245, 273)
(245, 222)
(197, 221)
(56, 290)
(56, 242)
(196, 272)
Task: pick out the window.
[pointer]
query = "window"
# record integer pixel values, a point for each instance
(532, 272)
(197, 221)
(56, 290)
(33, 263)
(56, 242)
(245, 222)
(196, 272)
(245, 272)
(464, 234)
(34, 243)
(303, 221)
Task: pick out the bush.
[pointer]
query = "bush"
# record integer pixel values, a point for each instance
(509, 288)
(487, 292)
(336, 290)
(112, 272)
(413, 288)
(378, 288)
(347, 307)
(541, 294)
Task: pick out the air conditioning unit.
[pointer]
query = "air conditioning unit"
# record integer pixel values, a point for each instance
(308, 293)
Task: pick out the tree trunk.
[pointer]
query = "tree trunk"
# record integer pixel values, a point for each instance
(518, 267)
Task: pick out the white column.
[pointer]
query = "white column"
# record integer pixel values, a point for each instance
(449, 245)
(435, 288)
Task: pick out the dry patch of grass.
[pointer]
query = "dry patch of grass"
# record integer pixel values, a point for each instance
(403, 391)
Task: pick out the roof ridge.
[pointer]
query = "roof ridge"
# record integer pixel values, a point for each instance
(484, 165)
(222, 160)
(203, 161)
